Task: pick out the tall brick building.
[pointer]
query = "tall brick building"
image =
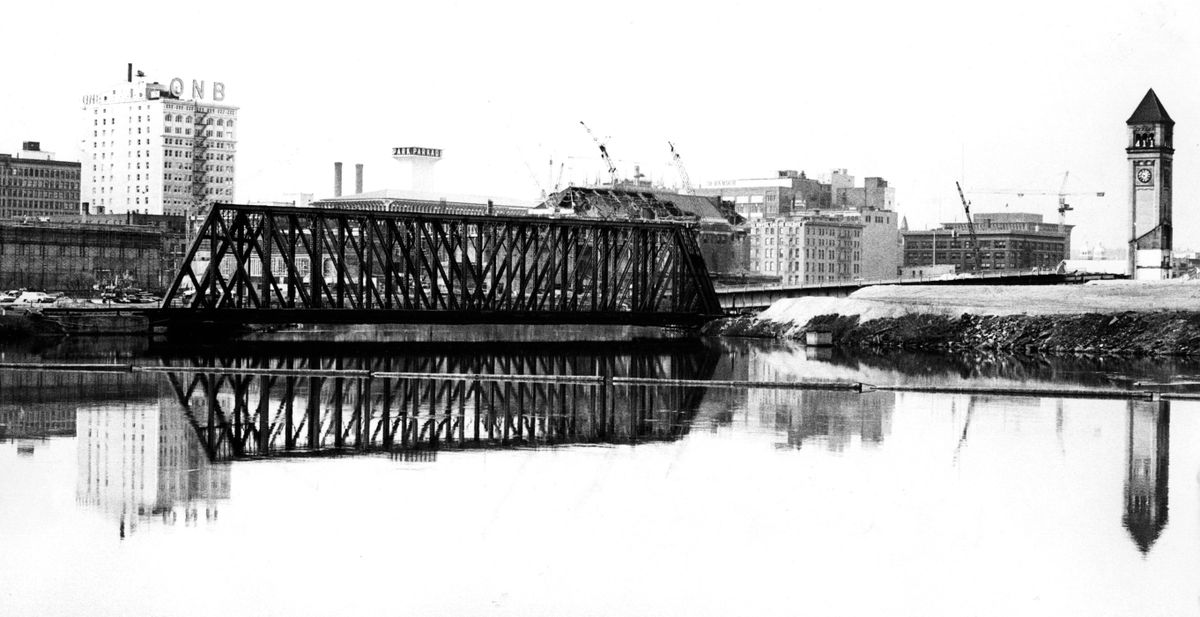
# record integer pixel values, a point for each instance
(74, 257)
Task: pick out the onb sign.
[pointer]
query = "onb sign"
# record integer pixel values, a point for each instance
(198, 90)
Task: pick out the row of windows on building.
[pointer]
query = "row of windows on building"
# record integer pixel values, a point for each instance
(103, 109)
(180, 142)
(34, 207)
(965, 255)
(208, 133)
(202, 169)
(192, 107)
(39, 172)
(189, 189)
(809, 254)
(793, 230)
(985, 245)
(190, 155)
(178, 131)
(188, 119)
(794, 267)
(795, 279)
(41, 193)
(223, 111)
(128, 154)
(771, 241)
(145, 201)
(138, 165)
(219, 145)
(44, 249)
(51, 210)
(207, 177)
(110, 189)
(61, 185)
(998, 262)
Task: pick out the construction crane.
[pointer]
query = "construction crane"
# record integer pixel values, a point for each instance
(970, 227)
(558, 178)
(554, 181)
(1062, 194)
(685, 181)
(612, 169)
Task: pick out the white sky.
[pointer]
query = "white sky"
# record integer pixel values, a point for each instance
(1000, 95)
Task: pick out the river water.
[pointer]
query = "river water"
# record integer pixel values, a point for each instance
(234, 490)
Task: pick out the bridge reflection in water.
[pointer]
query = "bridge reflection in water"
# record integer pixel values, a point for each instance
(295, 406)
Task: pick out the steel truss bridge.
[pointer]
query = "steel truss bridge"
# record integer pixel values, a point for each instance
(249, 407)
(269, 264)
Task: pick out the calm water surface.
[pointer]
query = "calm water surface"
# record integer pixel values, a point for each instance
(189, 492)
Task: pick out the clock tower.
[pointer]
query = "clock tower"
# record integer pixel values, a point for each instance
(1151, 146)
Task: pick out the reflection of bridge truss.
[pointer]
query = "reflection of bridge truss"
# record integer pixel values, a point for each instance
(300, 406)
(263, 264)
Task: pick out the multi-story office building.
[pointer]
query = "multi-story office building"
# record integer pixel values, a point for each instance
(34, 184)
(792, 194)
(806, 249)
(768, 198)
(1007, 241)
(147, 148)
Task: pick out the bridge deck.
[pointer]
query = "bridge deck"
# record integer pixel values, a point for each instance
(185, 317)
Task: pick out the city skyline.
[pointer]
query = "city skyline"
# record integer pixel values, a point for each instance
(1004, 97)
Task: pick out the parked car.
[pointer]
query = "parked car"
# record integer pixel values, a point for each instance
(35, 298)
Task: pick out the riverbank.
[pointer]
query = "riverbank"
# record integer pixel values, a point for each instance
(16, 325)
(1120, 317)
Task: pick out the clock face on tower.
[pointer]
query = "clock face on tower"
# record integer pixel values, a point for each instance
(1144, 176)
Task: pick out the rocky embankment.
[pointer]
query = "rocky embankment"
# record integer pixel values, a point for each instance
(1142, 334)
(1128, 333)
(1114, 318)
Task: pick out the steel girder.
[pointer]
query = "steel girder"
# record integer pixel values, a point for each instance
(282, 264)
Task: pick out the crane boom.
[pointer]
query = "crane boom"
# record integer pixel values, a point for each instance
(1062, 194)
(612, 169)
(683, 174)
(970, 227)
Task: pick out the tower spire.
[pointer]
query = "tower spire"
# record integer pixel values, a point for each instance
(1150, 111)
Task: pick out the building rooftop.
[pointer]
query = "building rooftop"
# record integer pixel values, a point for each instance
(1150, 110)
(8, 158)
(640, 203)
(61, 223)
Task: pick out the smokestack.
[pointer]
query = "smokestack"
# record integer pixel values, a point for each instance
(358, 167)
(129, 73)
(337, 179)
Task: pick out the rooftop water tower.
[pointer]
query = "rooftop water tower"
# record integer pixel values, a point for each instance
(417, 165)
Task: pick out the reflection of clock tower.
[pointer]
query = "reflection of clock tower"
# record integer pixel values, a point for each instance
(1150, 149)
